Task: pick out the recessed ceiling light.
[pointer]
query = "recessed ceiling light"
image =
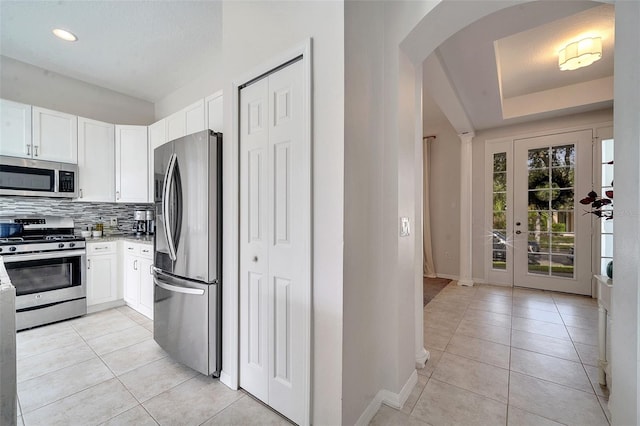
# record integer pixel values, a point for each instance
(64, 34)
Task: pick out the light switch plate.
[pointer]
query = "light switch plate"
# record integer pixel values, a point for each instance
(405, 227)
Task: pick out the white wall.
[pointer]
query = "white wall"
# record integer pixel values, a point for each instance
(366, 297)
(205, 85)
(625, 305)
(444, 190)
(253, 33)
(28, 84)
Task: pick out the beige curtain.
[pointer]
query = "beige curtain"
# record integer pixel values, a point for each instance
(429, 269)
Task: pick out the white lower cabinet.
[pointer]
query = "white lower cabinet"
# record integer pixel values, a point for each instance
(102, 273)
(138, 278)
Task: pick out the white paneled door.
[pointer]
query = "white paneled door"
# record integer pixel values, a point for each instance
(275, 241)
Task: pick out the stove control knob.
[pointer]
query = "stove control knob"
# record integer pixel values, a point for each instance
(12, 249)
(72, 244)
(61, 245)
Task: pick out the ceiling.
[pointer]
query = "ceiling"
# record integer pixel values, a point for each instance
(499, 67)
(145, 49)
(504, 68)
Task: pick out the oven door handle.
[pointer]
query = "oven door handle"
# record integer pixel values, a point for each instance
(40, 256)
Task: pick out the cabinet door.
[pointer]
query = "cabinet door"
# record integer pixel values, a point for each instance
(131, 164)
(194, 117)
(96, 160)
(131, 280)
(176, 125)
(146, 288)
(214, 112)
(157, 137)
(102, 283)
(55, 136)
(15, 129)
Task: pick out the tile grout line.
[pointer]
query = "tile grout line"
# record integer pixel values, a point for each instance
(510, 354)
(573, 343)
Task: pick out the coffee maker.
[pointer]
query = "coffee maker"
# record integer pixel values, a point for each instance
(150, 216)
(140, 222)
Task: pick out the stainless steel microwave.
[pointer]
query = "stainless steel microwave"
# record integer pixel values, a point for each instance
(22, 176)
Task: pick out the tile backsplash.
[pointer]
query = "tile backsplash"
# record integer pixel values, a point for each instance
(83, 213)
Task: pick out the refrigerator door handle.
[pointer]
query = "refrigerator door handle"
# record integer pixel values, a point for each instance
(168, 180)
(177, 289)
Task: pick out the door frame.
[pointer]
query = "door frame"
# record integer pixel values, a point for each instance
(231, 265)
(505, 144)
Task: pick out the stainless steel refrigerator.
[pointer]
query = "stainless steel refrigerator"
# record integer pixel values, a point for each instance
(187, 307)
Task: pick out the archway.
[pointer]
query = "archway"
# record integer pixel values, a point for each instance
(424, 37)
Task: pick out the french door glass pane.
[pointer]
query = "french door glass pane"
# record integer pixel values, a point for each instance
(499, 238)
(551, 180)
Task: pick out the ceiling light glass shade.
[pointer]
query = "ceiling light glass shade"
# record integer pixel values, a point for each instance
(64, 34)
(580, 54)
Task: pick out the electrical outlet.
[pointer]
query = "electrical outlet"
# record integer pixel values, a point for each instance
(113, 221)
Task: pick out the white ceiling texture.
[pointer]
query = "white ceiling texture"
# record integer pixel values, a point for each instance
(145, 49)
(503, 69)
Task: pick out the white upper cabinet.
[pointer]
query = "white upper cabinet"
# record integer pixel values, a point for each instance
(132, 163)
(55, 136)
(96, 160)
(157, 137)
(195, 117)
(186, 121)
(213, 105)
(15, 133)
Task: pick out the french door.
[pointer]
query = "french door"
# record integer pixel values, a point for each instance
(540, 235)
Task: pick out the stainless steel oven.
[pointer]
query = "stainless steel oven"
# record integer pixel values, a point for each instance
(48, 271)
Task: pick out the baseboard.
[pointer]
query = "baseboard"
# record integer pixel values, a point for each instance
(104, 306)
(386, 397)
(227, 380)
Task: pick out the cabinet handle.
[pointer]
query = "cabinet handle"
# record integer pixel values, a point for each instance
(101, 248)
(80, 192)
(88, 263)
(35, 150)
(135, 265)
(117, 195)
(28, 149)
(151, 269)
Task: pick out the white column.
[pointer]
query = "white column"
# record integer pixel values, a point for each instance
(465, 277)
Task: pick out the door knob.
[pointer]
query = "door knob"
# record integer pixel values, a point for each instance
(518, 232)
(517, 223)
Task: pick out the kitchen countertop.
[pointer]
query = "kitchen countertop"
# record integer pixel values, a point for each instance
(143, 239)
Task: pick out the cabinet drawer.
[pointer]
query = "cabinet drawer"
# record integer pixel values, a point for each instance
(131, 248)
(142, 250)
(146, 250)
(101, 248)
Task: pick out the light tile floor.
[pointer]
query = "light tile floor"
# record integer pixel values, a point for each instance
(105, 368)
(503, 356)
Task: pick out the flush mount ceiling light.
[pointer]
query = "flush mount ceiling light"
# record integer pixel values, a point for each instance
(580, 53)
(64, 34)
